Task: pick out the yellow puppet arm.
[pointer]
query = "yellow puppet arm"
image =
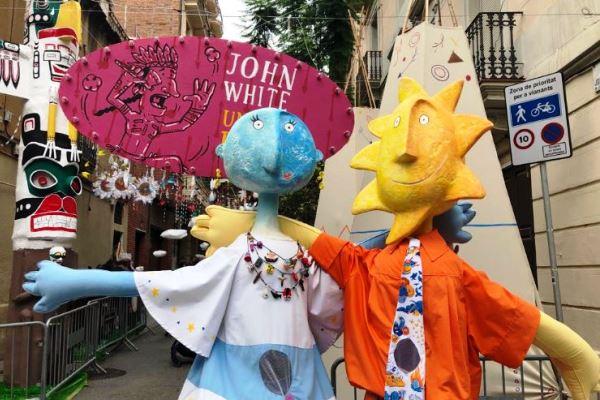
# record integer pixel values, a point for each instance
(220, 226)
(303, 233)
(577, 362)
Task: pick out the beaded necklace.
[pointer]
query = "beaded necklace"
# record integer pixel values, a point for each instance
(293, 270)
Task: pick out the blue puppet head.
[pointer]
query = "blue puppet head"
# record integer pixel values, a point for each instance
(269, 151)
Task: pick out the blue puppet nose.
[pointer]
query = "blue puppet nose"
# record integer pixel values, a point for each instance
(272, 160)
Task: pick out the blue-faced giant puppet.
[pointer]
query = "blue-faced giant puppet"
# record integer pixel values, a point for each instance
(47, 176)
(257, 312)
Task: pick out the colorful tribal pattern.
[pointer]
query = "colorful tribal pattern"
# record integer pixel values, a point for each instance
(47, 176)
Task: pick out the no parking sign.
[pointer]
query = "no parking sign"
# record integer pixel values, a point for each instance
(538, 123)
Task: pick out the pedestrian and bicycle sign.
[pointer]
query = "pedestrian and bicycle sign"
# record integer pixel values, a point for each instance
(535, 110)
(537, 120)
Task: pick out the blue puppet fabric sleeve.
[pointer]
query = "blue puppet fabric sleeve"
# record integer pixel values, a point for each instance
(190, 302)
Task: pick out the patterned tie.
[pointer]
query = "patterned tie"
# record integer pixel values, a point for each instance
(405, 371)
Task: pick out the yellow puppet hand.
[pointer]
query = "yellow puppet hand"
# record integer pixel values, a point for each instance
(220, 226)
(577, 362)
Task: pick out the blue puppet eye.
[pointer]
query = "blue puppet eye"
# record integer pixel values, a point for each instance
(289, 126)
(256, 122)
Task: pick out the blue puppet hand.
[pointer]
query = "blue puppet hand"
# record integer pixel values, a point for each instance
(57, 285)
(52, 282)
(449, 224)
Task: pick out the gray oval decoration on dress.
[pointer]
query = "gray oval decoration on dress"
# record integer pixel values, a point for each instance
(276, 371)
(407, 355)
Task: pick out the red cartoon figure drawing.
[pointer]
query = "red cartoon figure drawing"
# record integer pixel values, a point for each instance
(146, 94)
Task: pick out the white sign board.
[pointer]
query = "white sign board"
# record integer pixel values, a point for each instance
(538, 122)
(596, 77)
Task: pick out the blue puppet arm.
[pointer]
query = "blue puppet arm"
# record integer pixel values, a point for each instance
(450, 225)
(57, 285)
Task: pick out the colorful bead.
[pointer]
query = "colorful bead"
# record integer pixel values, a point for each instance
(271, 257)
(270, 269)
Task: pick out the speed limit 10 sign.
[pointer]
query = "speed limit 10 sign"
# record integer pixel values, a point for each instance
(538, 123)
(523, 139)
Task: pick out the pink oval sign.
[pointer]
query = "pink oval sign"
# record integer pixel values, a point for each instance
(169, 102)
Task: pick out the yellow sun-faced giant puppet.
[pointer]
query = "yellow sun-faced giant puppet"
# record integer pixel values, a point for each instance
(416, 316)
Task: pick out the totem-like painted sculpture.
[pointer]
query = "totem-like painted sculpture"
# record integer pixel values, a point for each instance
(47, 181)
(47, 177)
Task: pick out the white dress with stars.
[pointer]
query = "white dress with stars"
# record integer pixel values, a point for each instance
(250, 344)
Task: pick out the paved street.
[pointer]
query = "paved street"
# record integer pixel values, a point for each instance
(150, 374)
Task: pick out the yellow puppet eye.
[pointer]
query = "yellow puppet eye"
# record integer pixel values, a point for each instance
(424, 119)
(396, 122)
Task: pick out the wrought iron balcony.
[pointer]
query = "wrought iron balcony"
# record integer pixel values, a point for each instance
(493, 47)
(372, 62)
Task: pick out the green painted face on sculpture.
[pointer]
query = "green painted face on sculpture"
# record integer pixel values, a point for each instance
(45, 176)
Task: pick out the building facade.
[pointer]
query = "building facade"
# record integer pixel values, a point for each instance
(512, 41)
(103, 226)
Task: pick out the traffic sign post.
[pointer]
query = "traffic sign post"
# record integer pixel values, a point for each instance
(538, 126)
(538, 123)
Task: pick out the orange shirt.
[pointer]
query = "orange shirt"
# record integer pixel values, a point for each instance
(465, 314)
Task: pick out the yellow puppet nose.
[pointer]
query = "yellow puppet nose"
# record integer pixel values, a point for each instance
(407, 150)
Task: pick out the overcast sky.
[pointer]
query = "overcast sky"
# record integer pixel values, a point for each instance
(231, 10)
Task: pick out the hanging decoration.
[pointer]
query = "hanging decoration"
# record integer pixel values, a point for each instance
(103, 186)
(116, 183)
(146, 189)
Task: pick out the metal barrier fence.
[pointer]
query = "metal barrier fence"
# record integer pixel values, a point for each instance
(68, 342)
(27, 335)
(539, 360)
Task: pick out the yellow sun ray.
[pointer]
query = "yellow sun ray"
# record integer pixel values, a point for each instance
(379, 125)
(469, 129)
(405, 224)
(368, 200)
(465, 186)
(408, 87)
(366, 158)
(448, 97)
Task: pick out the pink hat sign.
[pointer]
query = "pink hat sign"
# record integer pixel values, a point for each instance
(168, 102)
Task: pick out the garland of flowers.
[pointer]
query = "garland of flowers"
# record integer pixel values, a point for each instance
(294, 269)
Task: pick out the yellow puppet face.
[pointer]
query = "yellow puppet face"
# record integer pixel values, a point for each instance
(419, 162)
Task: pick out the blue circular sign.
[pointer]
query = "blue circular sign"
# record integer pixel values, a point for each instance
(553, 133)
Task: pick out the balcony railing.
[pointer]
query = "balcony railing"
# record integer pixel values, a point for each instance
(492, 45)
(372, 61)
